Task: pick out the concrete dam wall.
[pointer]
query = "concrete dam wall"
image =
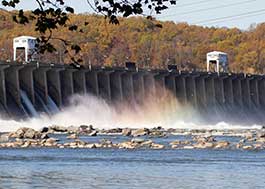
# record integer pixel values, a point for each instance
(28, 89)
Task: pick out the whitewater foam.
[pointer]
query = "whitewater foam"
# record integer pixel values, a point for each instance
(90, 110)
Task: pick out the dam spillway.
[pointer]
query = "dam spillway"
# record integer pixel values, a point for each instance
(29, 89)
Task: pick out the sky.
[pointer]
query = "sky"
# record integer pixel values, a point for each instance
(224, 13)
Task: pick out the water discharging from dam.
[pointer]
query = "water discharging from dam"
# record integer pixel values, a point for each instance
(165, 111)
(39, 95)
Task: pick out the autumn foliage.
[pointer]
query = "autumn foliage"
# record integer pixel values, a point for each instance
(143, 41)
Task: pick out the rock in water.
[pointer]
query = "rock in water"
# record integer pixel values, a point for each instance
(4, 137)
(203, 145)
(247, 147)
(25, 133)
(127, 145)
(72, 129)
(249, 135)
(176, 142)
(57, 128)
(31, 134)
(53, 140)
(86, 128)
(126, 132)
(90, 146)
(157, 146)
(261, 135)
(72, 136)
(44, 130)
(18, 133)
(222, 144)
(114, 131)
(137, 140)
(83, 127)
(140, 132)
(262, 140)
(157, 133)
(187, 147)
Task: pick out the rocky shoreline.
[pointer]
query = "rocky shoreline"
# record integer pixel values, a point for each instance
(143, 138)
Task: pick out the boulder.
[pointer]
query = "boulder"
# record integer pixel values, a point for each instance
(247, 147)
(174, 146)
(204, 139)
(98, 145)
(137, 140)
(158, 128)
(31, 134)
(248, 135)
(25, 133)
(44, 130)
(157, 133)
(73, 145)
(19, 142)
(25, 145)
(261, 134)
(175, 142)
(140, 132)
(86, 128)
(188, 147)
(222, 144)
(171, 130)
(262, 140)
(127, 145)
(239, 145)
(185, 142)
(18, 133)
(72, 136)
(114, 131)
(80, 143)
(106, 142)
(58, 129)
(4, 137)
(258, 146)
(203, 145)
(179, 142)
(157, 146)
(73, 129)
(208, 145)
(13, 145)
(90, 146)
(126, 132)
(147, 143)
(51, 140)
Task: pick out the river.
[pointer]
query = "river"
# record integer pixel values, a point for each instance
(139, 168)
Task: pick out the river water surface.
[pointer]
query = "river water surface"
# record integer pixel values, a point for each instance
(141, 168)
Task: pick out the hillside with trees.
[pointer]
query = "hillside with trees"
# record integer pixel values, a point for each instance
(144, 41)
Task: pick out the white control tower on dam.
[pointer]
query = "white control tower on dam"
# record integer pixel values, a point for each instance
(27, 44)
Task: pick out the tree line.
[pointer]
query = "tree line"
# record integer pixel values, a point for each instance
(148, 42)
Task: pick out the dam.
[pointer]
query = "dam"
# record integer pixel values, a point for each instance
(29, 89)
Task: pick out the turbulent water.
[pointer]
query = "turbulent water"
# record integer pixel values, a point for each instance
(166, 112)
(118, 168)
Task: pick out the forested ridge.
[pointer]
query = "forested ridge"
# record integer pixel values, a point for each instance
(143, 41)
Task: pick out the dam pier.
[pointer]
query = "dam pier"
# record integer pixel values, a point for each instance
(29, 89)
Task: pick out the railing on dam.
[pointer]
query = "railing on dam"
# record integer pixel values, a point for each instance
(48, 86)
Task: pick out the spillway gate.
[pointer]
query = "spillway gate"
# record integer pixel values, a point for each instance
(48, 87)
